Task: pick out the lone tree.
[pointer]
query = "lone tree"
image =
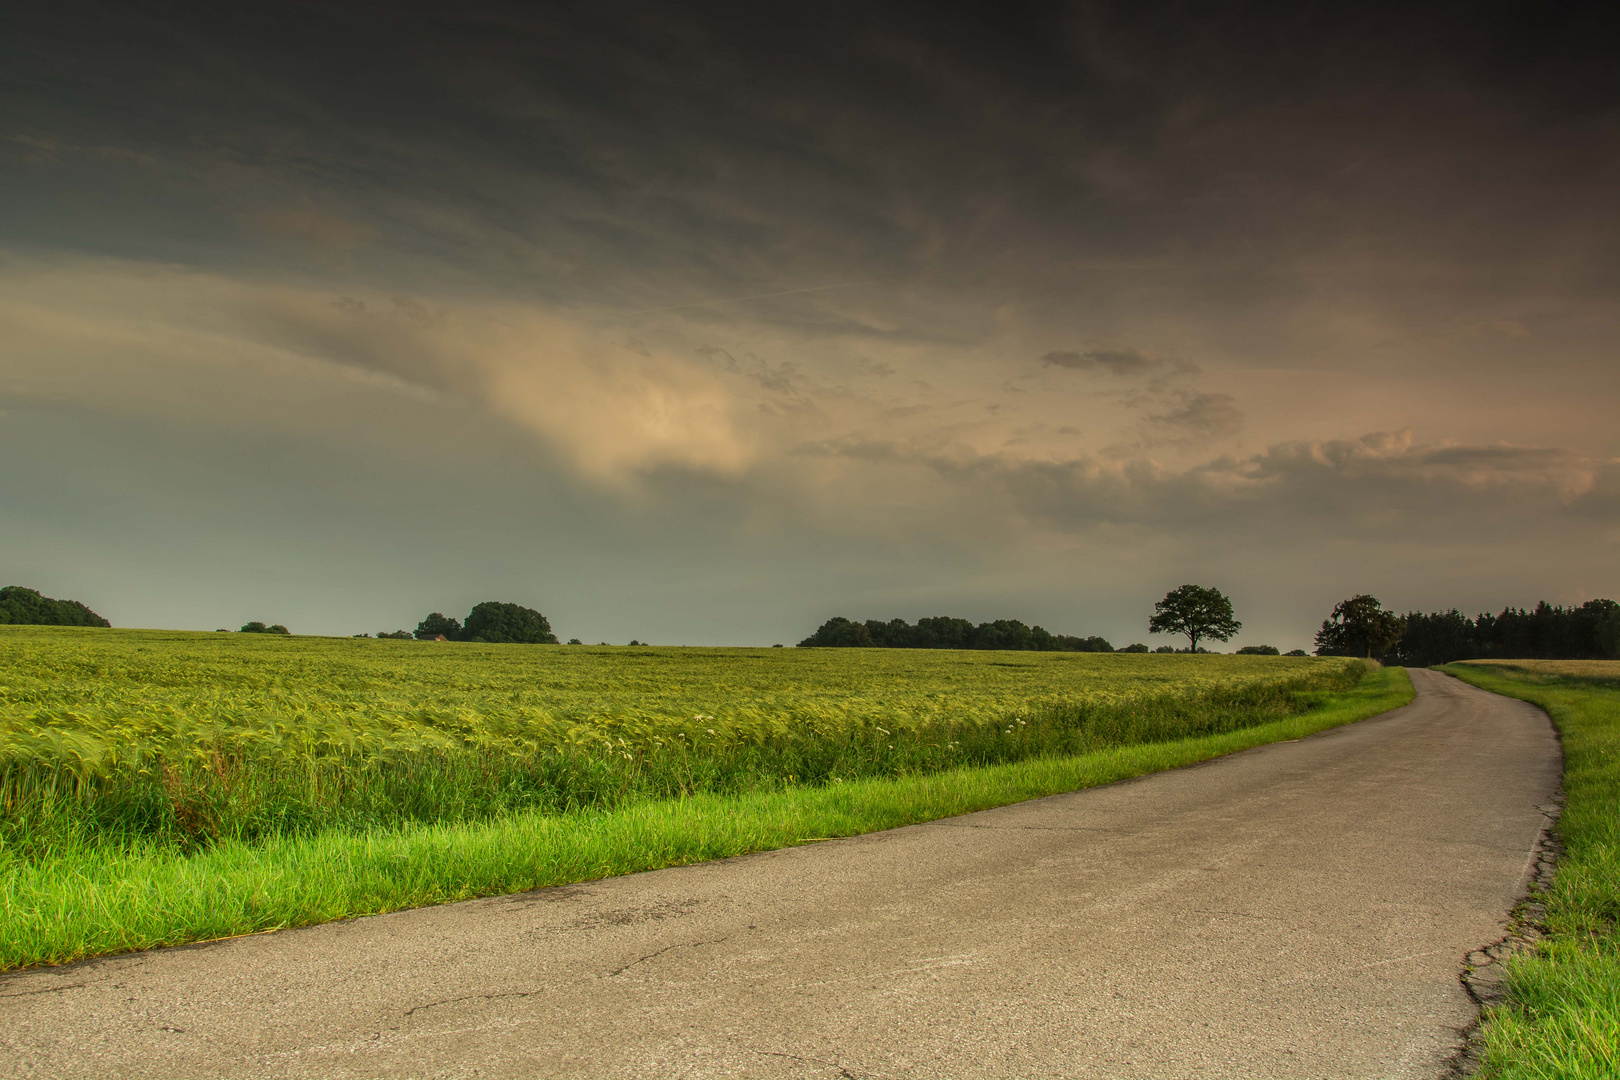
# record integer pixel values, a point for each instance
(1359, 626)
(494, 621)
(1197, 612)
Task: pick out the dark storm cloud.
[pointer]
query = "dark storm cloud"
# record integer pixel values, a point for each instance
(616, 154)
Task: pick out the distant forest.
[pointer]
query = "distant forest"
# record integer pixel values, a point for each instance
(944, 632)
(26, 607)
(1546, 632)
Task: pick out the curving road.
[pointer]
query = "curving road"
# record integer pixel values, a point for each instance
(1298, 910)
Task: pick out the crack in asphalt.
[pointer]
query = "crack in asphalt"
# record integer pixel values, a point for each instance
(661, 952)
(50, 990)
(1240, 914)
(470, 997)
(843, 1070)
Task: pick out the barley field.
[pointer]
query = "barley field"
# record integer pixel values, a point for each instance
(114, 737)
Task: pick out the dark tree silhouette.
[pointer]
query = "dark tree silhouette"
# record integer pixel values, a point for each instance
(945, 632)
(437, 625)
(1544, 632)
(492, 622)
(26, 607)
(1196, 611)
(1359, 626)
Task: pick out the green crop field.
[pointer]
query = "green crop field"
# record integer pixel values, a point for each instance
(156, 752)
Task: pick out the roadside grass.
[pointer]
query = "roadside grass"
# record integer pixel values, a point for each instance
(79, 902)
(1561, 1017)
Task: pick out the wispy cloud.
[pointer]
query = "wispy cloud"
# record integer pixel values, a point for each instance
(1117, 361)
(1196, 418)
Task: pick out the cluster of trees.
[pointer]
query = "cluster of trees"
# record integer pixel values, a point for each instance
(257, 627)
(26, 607)
(945, 632)
(490, 621)
(1361, 626)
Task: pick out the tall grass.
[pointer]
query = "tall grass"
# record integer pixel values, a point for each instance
(1562, 1014)
(112, 740)
(85, 901)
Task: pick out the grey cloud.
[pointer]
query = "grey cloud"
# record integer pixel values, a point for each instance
(1122, 361)
(1118, 361)
(1199, 417)
(858, 448)
(867, 366)
(778, 379)
(718, 356)
(1390, 464)
(1379, 486)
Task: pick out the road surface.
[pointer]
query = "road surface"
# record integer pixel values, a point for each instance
(1297, 910)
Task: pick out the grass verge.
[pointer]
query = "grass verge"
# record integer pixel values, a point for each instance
(1562, 1014)
(91, 902)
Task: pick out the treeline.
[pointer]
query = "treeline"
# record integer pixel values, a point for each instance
(26, 607)
(1546, 632)
(944, 632)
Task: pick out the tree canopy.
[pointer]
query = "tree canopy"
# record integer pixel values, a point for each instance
(946, 632)
(257, 627)
(1196, 611)
(1359, 626)
(492, 622)
(26, 607)
(438, 625)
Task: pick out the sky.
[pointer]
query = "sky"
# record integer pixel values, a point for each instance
(702, 324)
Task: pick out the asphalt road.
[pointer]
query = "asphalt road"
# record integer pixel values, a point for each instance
(1298, 910)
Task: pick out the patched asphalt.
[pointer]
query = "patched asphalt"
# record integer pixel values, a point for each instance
(1298, 910)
